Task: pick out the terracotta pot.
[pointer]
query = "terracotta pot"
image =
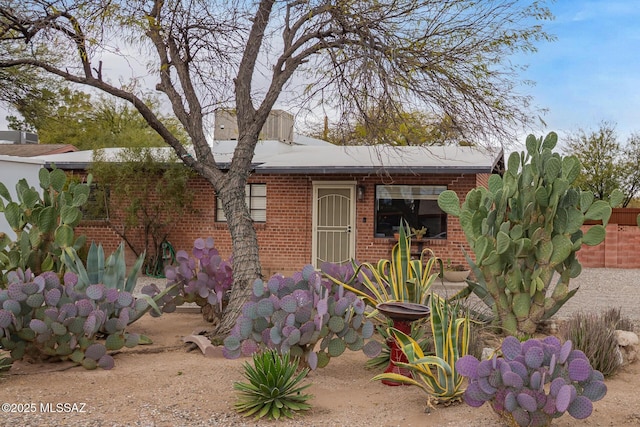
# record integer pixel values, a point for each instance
(456, 276)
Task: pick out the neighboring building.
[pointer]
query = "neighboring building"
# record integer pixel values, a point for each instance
(25, 144)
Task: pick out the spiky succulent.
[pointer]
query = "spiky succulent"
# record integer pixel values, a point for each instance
(292, 314)
(274, 388)
(514, 384)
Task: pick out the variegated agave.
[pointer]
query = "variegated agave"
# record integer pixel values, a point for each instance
(436, 374)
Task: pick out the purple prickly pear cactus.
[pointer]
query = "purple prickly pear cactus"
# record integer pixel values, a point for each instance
(514, 384)
(303, 314)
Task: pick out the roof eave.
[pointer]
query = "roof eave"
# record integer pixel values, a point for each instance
(328, 170)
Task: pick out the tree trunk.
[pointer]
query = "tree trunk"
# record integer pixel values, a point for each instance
(246, 261)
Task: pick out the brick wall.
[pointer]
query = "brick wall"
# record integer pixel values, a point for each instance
(285, 239)
(619, 249)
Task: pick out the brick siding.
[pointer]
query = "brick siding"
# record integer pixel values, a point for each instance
(285, 238)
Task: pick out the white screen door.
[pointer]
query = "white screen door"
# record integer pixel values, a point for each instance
(333, 223)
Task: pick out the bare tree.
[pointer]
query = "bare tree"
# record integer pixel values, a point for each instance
(447, 57)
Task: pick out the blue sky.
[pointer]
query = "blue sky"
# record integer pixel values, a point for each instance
(591, 72)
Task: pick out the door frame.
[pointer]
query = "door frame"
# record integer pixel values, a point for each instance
(317, 185)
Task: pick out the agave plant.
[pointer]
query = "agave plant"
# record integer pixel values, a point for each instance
(397, 279)
(274, 388)
(437, 374)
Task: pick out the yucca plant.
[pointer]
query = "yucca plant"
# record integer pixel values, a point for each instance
(436, 374)
(274, 389)
(397, 279)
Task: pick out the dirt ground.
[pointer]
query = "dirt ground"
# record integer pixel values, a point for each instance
(164, 385)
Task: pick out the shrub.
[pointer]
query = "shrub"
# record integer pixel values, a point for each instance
(274, 388)
(594, 335)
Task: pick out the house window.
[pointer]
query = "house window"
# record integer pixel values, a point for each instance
(417, 204)
(97, 206)
(256, 200)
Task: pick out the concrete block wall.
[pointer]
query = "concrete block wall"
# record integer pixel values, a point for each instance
(619, 249)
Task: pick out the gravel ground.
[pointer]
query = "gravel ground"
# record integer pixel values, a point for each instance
(166, 386)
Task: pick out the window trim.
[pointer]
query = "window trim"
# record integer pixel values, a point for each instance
(249, 189)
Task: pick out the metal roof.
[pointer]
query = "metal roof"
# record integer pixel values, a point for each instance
(276, 157)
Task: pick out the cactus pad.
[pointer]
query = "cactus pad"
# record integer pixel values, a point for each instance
(484, 384)
(31, 288)
(95, 292)
(84, 307)
(484, 368)
(594, 390)
(565, 350)
(475, 393)
(534, 357)
(580, 408)
(58, 328)
(564, 397)
(114, 342)
(6, 318)
(35, 300)
(264, 308)
(510, 402)
(468, 366)
(511, 379)
(106, 362)
(302, 297)
(336, 324)
(95, 351)
(288, 304)
(258, 288)
(357, 345)
(511, 347)
(38, 326)
(248, 347)
(336, 347)
(372, 348)
(13, 306)
(579, 370)
(14, 291)
(89, 364)
(527, 402)
(367, 330)
(52, 296)
(124, 299)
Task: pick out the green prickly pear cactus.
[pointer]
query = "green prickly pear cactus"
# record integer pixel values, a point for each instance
(44, 223)
(525, 227)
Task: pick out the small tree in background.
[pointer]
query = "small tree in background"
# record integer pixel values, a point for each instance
(607, 165)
